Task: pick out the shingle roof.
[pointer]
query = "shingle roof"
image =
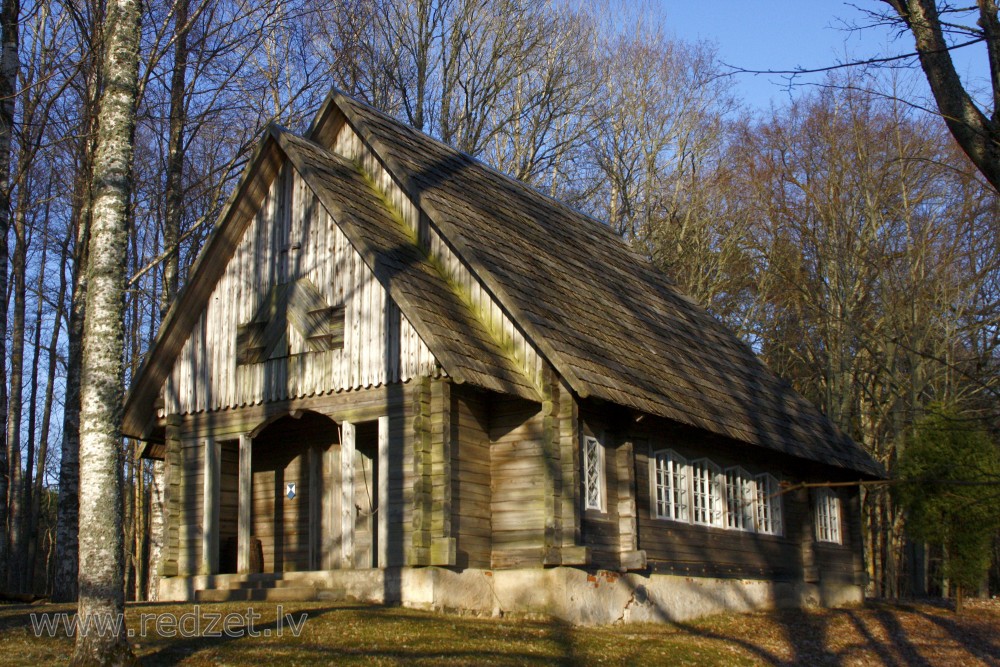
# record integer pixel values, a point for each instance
(607, 320)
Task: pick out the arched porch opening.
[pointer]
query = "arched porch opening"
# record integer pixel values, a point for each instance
(293, 484)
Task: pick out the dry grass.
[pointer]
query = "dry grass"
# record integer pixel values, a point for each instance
(878, 634)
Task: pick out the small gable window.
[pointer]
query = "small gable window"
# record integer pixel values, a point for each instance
(827, 516)
(706, 484)
(295, 310)
(740, 495)
(593, 473)
(768, 505)
(671, 485)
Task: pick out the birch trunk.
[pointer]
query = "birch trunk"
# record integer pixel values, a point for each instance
(64, 580)
(101, 555)
(156, 529)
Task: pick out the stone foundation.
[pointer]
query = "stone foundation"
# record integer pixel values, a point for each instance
(568, 594)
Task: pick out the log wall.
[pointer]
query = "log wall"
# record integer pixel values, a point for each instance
(470, 480)
(518, 483)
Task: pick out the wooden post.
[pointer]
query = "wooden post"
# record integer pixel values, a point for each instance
(810, 573)
(383, 491)
(245, 504)
(330, 522)
(347, 495)
(315, 461)
(210, 506)
(443, 546)
(172, 518)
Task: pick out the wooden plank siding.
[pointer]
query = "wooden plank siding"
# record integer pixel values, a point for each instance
(292, 238)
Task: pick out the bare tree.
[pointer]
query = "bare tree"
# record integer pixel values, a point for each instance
(661, 104)
(101, 585)
(976, 129)
(87, 22)
(9, 66)
(870, 242)
(549, 103)
(37, 502)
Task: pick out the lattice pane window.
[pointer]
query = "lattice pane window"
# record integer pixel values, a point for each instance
(593, 473)
(671, 482)
(768, 505)
(740, 497)
(827, 516)
(706, 487)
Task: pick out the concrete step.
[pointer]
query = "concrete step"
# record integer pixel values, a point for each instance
(270, 583)
(282, 594)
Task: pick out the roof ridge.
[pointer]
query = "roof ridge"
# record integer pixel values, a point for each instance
(597, 223)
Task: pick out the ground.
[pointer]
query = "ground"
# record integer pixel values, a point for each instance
(876, 634)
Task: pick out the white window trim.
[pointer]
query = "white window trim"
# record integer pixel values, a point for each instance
(746, 501)
(601, 505)
(828, 519)
(698, 470)
(760, 505)
(769, 501)
(676, 498)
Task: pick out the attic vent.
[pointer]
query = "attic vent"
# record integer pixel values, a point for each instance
(298, 305)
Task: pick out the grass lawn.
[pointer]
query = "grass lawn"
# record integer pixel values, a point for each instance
(877, 634)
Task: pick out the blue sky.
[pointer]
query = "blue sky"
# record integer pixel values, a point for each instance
(785, 34)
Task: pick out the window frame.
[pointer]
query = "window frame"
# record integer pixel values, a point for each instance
(828, 516)
(741, 508)
(705, 471)
(676, 502)
(769, 502)
(601, 480)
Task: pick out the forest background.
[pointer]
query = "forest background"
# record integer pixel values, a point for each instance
(841, 232)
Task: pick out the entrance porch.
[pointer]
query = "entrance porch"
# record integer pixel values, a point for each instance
(300, 492)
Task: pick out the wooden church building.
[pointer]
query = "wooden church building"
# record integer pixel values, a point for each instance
(398, 375)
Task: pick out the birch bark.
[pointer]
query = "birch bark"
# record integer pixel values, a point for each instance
(101, 540)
